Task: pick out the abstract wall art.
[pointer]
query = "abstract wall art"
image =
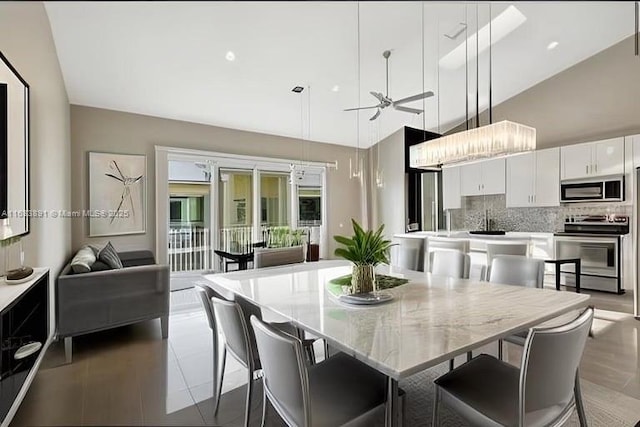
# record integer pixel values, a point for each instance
(117, 194)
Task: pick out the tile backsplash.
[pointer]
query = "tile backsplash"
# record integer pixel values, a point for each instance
(542, 220)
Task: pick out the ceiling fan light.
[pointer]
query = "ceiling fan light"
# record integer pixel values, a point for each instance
(494, 140)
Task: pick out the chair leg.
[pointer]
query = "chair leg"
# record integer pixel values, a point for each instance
(68, 349)
(164, 326)
(436, 405)
(500, 350)
(216, 404)
(247, 412)
(264, 405)
(582, 416)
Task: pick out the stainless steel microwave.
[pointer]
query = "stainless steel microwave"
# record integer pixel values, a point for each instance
(604, 190)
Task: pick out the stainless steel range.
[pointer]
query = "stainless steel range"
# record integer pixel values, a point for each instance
(596, 240)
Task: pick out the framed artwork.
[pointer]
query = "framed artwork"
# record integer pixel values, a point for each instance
(117, 194)
(14, 150)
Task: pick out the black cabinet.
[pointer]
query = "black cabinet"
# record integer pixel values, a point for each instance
(24, 328)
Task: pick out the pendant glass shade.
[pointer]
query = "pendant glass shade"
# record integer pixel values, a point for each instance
(494, 140)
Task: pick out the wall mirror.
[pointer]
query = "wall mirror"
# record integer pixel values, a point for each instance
(14, 152)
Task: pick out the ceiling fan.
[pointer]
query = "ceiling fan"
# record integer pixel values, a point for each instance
(385, 101)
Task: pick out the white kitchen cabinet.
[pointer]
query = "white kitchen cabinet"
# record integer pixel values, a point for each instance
(520, 180)
(592, 159)
(493, 176)
(486, 177)
(533, 179)
(471, 179)
(576, 161)
(609, 157)
(547, 180)
(451, 198)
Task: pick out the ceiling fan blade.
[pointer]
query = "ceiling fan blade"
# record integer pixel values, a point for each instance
(417, 97)
(407, 109)
(379, 96)
(362, 108)
(375, 116)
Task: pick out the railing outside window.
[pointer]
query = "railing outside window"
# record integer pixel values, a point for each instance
(189, 249)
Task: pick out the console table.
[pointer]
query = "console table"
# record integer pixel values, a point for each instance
(24, 338)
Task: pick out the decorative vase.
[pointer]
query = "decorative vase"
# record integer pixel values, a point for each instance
(363, 278)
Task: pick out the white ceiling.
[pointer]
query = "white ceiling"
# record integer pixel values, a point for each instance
(167, 59)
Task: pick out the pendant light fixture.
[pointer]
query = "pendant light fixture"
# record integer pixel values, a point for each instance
(355, 171)
(492, 140)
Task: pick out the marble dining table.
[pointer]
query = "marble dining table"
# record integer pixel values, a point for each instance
(429, 321)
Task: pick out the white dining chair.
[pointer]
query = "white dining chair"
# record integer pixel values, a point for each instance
(543, 391)
(449, 263)
(444, 243)
(331, 393)
(518, 271)
(495, 249)
(407, 253)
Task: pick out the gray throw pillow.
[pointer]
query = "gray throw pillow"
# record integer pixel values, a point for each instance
(109, 256)
(83, 260)
(100, 266)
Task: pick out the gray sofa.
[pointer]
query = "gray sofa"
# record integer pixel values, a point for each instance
(94, 301)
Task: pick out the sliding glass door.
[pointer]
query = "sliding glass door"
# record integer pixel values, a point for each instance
(236, 232)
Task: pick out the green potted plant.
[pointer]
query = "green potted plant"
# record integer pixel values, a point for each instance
(365, 249)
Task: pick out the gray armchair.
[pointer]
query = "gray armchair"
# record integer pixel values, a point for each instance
(94, 301)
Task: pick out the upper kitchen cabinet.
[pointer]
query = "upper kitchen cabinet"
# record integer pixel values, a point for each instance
(600, 158)
(451, 198)
(487, 177)
(533, 179)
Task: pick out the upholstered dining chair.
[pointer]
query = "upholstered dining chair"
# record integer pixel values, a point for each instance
(205, 294)
(518, 271)
(407, 253)
(449, 263)
(444, 243)
(544, 391)
(331, 393)
(495, 249)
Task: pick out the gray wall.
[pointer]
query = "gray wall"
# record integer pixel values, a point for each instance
(27, 42)
(94, 129)
(387, 201)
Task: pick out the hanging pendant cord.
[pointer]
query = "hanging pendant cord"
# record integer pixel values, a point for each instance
(424, 102)
(637, 34)
(358, 111)
(490, 69)
(466, 65)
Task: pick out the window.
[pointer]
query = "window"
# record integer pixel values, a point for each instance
(309, 206)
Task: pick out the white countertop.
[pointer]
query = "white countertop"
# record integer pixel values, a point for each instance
(9, 293)
(462, 234)
(430, 320)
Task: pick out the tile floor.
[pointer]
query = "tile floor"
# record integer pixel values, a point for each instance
(130, 376)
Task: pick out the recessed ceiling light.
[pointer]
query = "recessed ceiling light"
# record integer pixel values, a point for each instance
(297, 89)
(230, 56)
(552, 45)
(335, 88)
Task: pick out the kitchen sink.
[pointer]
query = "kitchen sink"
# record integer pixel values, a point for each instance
(489, 232)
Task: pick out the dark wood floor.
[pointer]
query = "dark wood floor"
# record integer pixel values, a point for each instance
(130, 376)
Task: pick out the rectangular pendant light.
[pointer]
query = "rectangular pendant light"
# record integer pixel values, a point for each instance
(494, 140)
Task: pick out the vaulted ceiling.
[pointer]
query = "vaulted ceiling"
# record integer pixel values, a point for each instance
(169, 59)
